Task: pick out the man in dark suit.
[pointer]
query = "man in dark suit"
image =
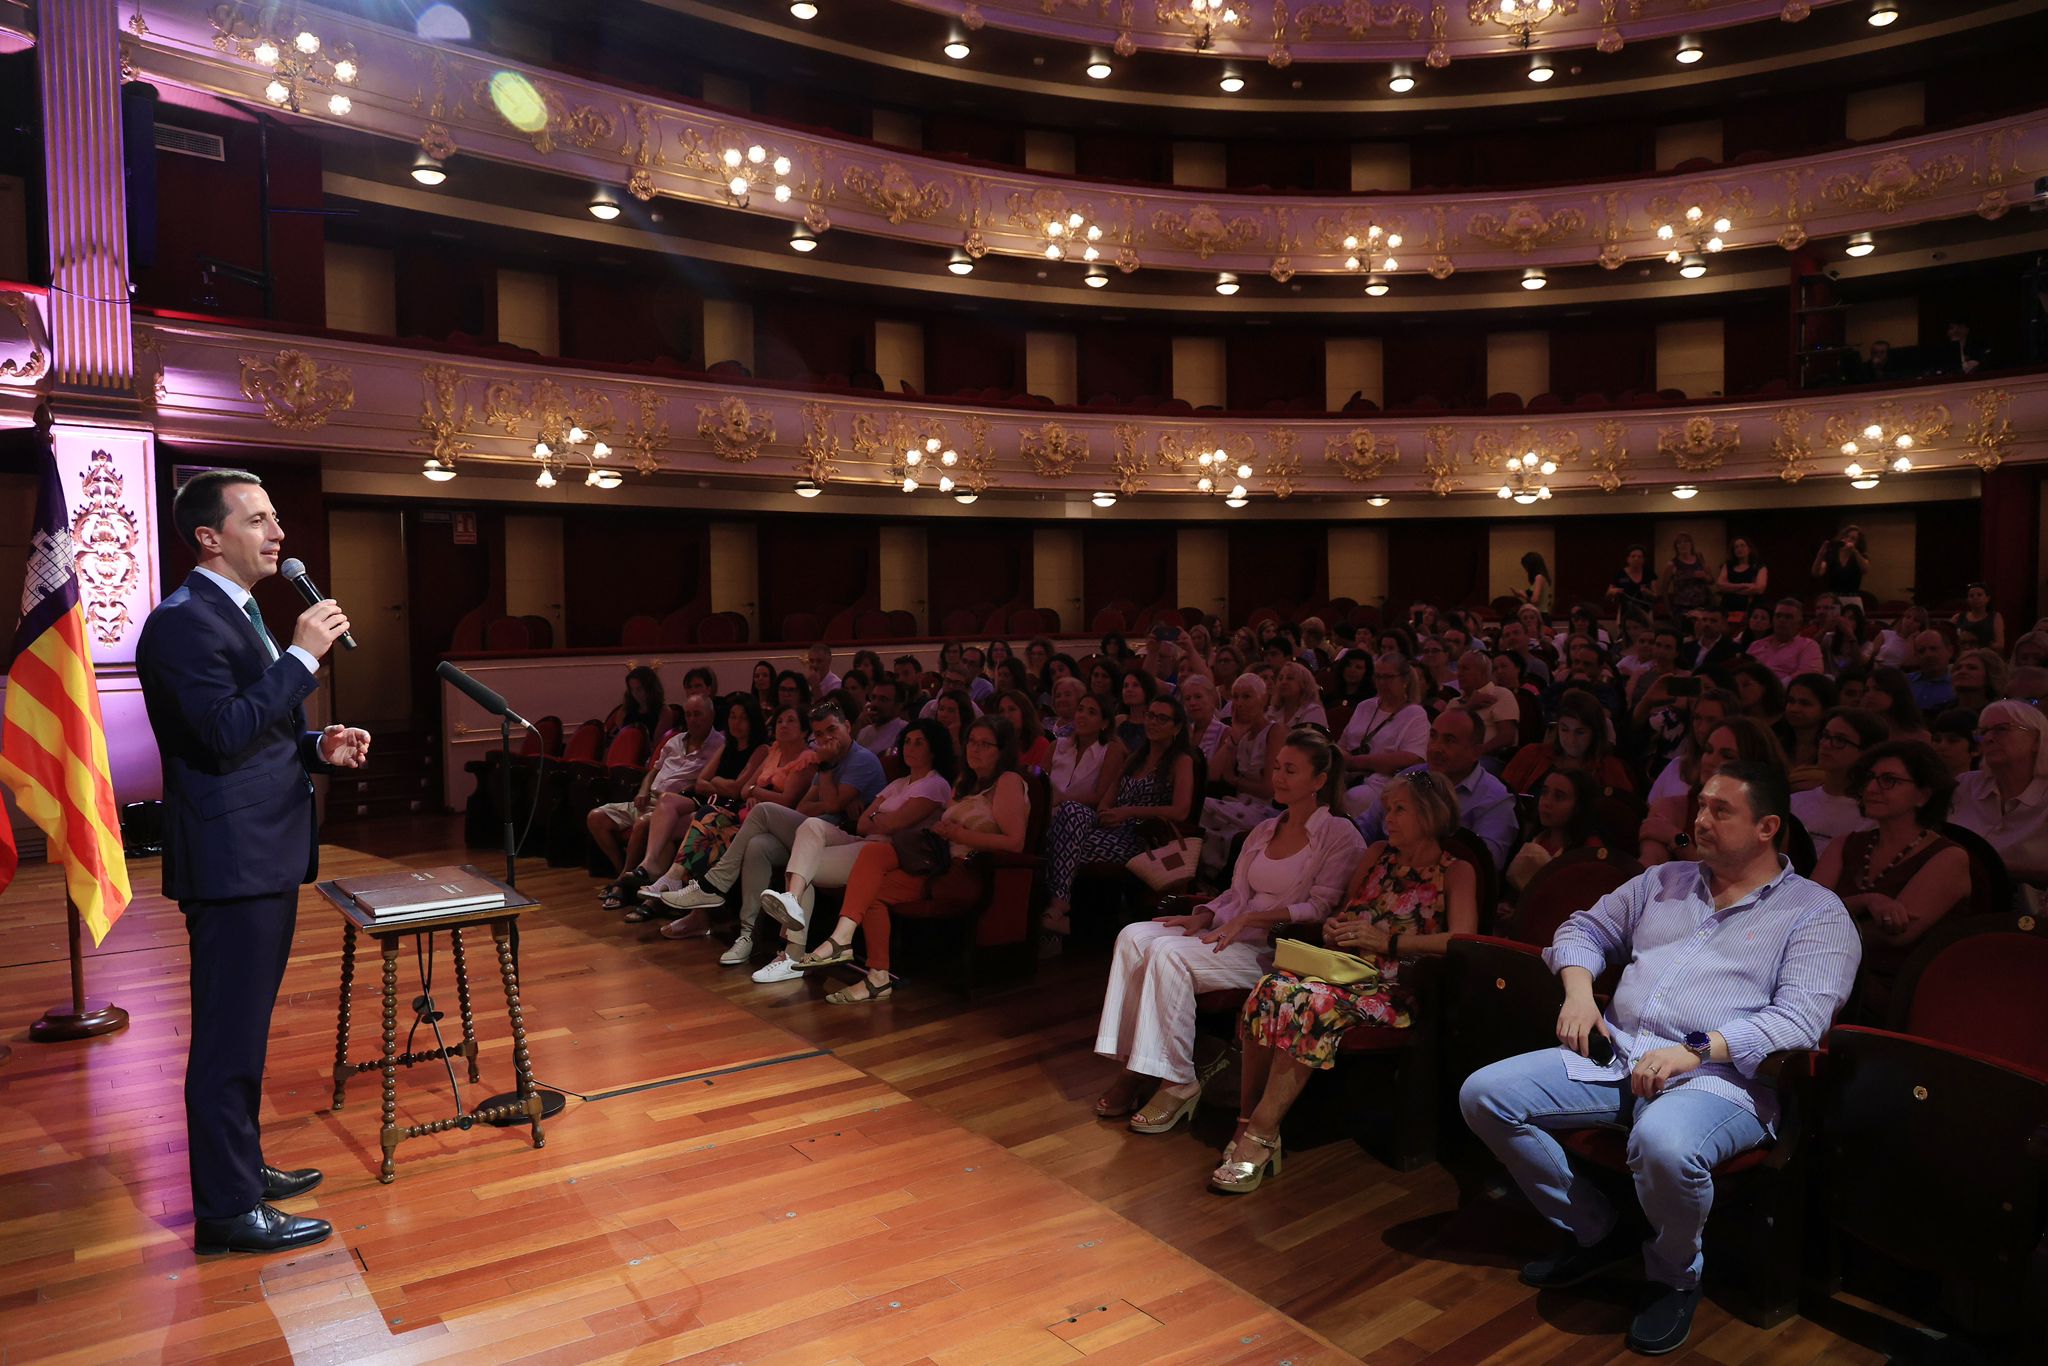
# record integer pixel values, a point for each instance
(225, 701)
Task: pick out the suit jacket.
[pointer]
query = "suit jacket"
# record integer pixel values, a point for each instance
(239, 818)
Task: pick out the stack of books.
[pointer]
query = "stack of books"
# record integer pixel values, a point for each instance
(416, 893)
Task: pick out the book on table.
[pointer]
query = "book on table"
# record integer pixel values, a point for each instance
(413, 892)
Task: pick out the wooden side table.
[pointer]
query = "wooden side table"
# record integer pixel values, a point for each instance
(391, 939)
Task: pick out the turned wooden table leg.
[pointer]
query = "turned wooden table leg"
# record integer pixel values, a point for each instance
(522, 1064)
(389, 1171)
(342, 1069)
(462, 995)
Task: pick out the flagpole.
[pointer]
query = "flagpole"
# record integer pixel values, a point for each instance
(80, 1018)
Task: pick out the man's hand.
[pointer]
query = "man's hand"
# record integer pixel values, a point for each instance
(1577, 1021)
(1658, 1067)
(341, 746)
(319, 627)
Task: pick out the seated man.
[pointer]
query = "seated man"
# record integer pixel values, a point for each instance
(639, 836)
(881, 721)
(1933, 689)
(1729, 959)
(1784, 651)
(818, 668)
(847, 778)
(909, 683)
(1485, 807)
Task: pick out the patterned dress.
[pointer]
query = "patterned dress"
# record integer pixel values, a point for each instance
(1078, 837)
(1307, 1019)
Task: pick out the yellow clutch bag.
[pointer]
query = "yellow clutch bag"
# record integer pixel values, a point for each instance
(1315, 962)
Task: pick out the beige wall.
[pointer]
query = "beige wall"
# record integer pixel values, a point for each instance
(1198, 370)
(1691, 356)
(736, 571)
(895, 128)
(1678, 142)
(899, 354)
(1048, 151)
(1506, 544)
(1056, 574)
(362, 295)
(1379, 166)
(1358, 563)
(1050, 367)
(533, 570)
(529, 311)
(1893, 536)
(902, 572)
(1894, 320)
(721, 92)
(1885, 110)
(1199, 164)
(1518, 363)
(1204, 569)
(728, 331)
(1352, 365)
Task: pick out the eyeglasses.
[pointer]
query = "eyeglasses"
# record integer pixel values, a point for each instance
(1837, 740)
(2006, 728)
(1888, 781)
(1164, 718)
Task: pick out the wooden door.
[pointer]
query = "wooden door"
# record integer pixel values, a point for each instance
(373, 682)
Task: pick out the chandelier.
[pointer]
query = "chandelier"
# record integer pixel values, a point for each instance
(1527, 477)
(1072, 236)
(301, 65)
(750, 170)
(1204, 17)
(1521, 18)
(575, 444)
(1690, 240)
(1217, 471)
(1875, 445)
(933, 454)
(1371, 252)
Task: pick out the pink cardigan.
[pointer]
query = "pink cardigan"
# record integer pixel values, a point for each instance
(1334, 849)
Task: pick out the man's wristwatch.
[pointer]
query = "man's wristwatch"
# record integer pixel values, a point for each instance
(1700, 1044)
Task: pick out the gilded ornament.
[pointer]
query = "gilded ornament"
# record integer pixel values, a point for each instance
(1440, 458)
(1559, 445)
(973, 18)
(105, 534)
(1699, 443)
(1792, 237)
(1283, 466)
(1359, 455)
(641, 184)
(1126, 260)
(734, 431)
(1990, 431)
(1792, 447)
(1525, 226)
(1203, 230)
(977, 458)
(1125, 45)
(649, 429)
(1893, 180)
(819, 451)
(1441, 267)
(149, 365)
(1282, 270)
(437, 142)
(1795, 11)
(1992, 206)
(1356, 19)
(1130, 460)
(296, 391)
(1610, 462)
(895, 193)
(443, 415)
(1052, 451)
(36, 363)
(1925, 423)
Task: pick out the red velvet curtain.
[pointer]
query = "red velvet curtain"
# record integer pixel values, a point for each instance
(1132, 562)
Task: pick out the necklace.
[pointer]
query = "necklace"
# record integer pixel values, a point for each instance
(1867, 881)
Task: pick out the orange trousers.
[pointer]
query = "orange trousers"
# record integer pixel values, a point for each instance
(875, 884)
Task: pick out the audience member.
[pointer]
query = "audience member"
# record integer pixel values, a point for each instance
(818, 669)
(1577, 743)
(779, 773)
(1841, 563)
(1849, 641)
(793, 689)
(1385, 735)
(716, 796)
(1565, 817)
(1978, 677)
(1759, 691)
(1205, 728)
(1931, 686)
(1832, 809)
(1807, 700)
(1699, 720)
(1786, 652)
(1668, 831)
(1495, 706)
(1064, 698)
(1034, 746)
(1078, 756)
(1539, 591)
(1690, 1024)
(2006, 799)
(882, 718)
(952, 709)
(1894, 644)
(1239, 772)
(1353, 684)
(1634, 590)
(761, 686)
(1136, 690)
(1410, 893)
(641, 706)
(2030, 651)
(852, 692)
(1688, 583)
(1743, 578)
(639, 836)
(1515, 640)
(1155, 781)
(1485, 807)
(1890, 695)
(1954, 737)
(1291, 871)
(1756, 626)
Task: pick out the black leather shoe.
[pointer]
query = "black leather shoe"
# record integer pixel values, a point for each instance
(279, 1185)
(1664, 1322)
(1571, 1264)
(262, 1229)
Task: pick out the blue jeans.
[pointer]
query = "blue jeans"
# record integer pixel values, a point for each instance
(1674, 1143)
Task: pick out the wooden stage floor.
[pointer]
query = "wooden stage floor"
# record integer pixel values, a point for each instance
(916, 1181)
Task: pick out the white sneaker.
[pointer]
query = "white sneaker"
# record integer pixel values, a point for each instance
(742, 949)
(653, 890)
(693, 896)
(779, 969)
(785, 908)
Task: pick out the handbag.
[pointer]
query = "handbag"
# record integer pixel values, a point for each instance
(1170, 865)
(1313, 962)
(921, 853)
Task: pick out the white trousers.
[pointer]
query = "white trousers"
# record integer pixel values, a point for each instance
(1148, 1012)
(822, 854)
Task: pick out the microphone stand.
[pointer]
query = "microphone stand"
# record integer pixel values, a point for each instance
(552, 1103)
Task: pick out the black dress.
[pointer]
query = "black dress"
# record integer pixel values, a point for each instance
(1739, 602)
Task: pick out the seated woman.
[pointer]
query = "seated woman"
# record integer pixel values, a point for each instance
(1408, 897)
(1807, 699)
(1292, 869)
(1239, 773)
(717, 792)
(1386, 733)
(1353, 685)
(793, 689)
(1155, 783)
(1667, 831)
(1567, 804)
(2005, 800)
(990, 810)
(1296, 699)
(1903, 875)
(641, 706)
(1034, 746)
(778, 772)
(1577, 743)
(1979, 678)
(1135, 690)
(1759, 694)
(1889, 693)
(1831, 810)
(953, 709)
(1077, 767)
(761, 686)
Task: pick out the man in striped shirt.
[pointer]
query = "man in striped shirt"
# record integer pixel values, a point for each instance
(1730, 959)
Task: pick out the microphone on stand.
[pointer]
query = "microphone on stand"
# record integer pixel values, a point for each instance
(294, 572)
(478, 692)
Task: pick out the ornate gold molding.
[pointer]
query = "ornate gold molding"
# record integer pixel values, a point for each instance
(296, 391)
(1052, 451)
(1699, 444)
(105, 533)
(1284, 464)
(895, 194)
(1610, 462)
(444, 416)
(648, 429)
(1792, 448)
(1203, 230)
(1990, 431)
(1359, 455)
(818, 453)
(1525, 226)
(1130, 461)
(1893, 180)
(1440, 458)
(36, 364)
(734, 431)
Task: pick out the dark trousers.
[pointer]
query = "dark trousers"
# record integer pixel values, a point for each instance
(239, 950)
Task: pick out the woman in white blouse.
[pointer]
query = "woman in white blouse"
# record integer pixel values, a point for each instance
(1241, 765)
(1296, 698)
(1293, 869)
(1076, 768)
(1386, 734)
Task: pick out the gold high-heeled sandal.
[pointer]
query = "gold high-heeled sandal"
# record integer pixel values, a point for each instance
(1239, 1177)
(1156, 1118)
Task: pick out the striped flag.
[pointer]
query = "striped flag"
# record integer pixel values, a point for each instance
(53, 743)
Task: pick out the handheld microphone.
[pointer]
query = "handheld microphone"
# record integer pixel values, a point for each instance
(294, 572)
(476, 691)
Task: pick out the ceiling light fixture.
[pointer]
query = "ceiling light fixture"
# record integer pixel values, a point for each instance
(1876, 441)
(808, 488)
(802, 239)
(1103, 498)
(301, 65)
(755, 166)
(1685, 492)
(1534, 278)
(1376, 285)
(437, 471)
(1689, 51)
(1883, 14)
(1099, 71)
(1692, 267)
(427, 171)
(1541, 71)
(961, 264)
(1378, 500)
(804, 10)
(1226, 284)
(965, 498)
(604, 208)
(958, 50)
(1230, 85)
(1096, 277)
(1237, 498)
(1400, 83)
(1519, 17)
(1528, 477)
(1862, 244)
